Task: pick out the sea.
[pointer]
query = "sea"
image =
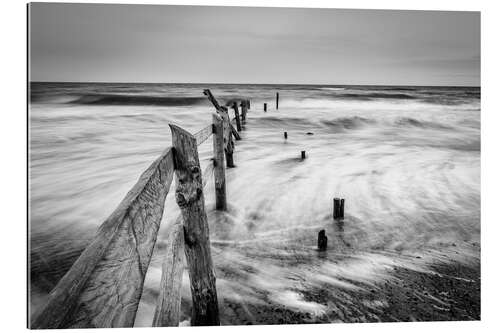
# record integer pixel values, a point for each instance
(406, 159)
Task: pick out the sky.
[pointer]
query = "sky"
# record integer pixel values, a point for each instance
(196, 44)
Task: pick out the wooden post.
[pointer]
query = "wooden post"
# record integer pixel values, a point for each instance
(322, 240)
(237, 116)
(229, 159)
(219, 171)
(342, 208)
(265, 107)
(286, 135)
(338, 208)
(229, 131)
(303, 154)
(277, 100)
(189, 197)
(243, 110)
(168, 305)
(248, 104)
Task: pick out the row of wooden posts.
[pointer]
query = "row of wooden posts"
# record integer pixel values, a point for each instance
(104, 286)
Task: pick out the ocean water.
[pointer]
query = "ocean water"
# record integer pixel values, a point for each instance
(406, 160)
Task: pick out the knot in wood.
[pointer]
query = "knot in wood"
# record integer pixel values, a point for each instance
(189, 188)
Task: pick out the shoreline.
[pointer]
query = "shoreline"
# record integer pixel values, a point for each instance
(450, 293)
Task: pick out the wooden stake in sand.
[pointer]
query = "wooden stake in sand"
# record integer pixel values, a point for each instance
(322, 240)
(338, 208)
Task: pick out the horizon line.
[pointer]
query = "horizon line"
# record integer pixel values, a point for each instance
(263, 84)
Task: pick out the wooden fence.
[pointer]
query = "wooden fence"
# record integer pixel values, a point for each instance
(104, 286)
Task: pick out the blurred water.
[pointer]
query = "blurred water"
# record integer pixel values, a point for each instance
(406, 160)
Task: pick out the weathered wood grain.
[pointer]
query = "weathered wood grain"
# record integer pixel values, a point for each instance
(104, 285)
(202, 135)
(208, 173)
(219, 170)
(189, 197)
(168, 304)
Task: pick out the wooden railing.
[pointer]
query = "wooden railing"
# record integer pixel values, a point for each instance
(104, 286)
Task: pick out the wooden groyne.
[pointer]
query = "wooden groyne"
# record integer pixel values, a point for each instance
(104, 286)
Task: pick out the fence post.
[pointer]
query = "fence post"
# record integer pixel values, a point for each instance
(277, 100)
(237, 116)
(189, 197)
(243, 110)
(219, 171)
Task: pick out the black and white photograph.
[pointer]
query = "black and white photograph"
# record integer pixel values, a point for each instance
(196, 165)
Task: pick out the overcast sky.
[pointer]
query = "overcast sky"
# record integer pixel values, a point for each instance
(145, 43)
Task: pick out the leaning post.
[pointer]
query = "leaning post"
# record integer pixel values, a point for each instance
(237, 116)
(219, 170)
(189, 197)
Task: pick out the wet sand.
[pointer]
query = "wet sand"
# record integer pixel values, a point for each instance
(451, 292)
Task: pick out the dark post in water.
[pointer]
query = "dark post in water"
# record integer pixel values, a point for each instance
(237, 116)
(286, 135)
(277, 100)
(338, 208)
(303, 154)
(265, 107)
(322, 240)
(244, 107)
(219, 170)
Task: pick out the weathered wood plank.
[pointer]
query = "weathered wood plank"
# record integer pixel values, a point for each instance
(219, 170)
(208, 173)
(189, 197)
(202, 135)
(104, 285)
(168, 304)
